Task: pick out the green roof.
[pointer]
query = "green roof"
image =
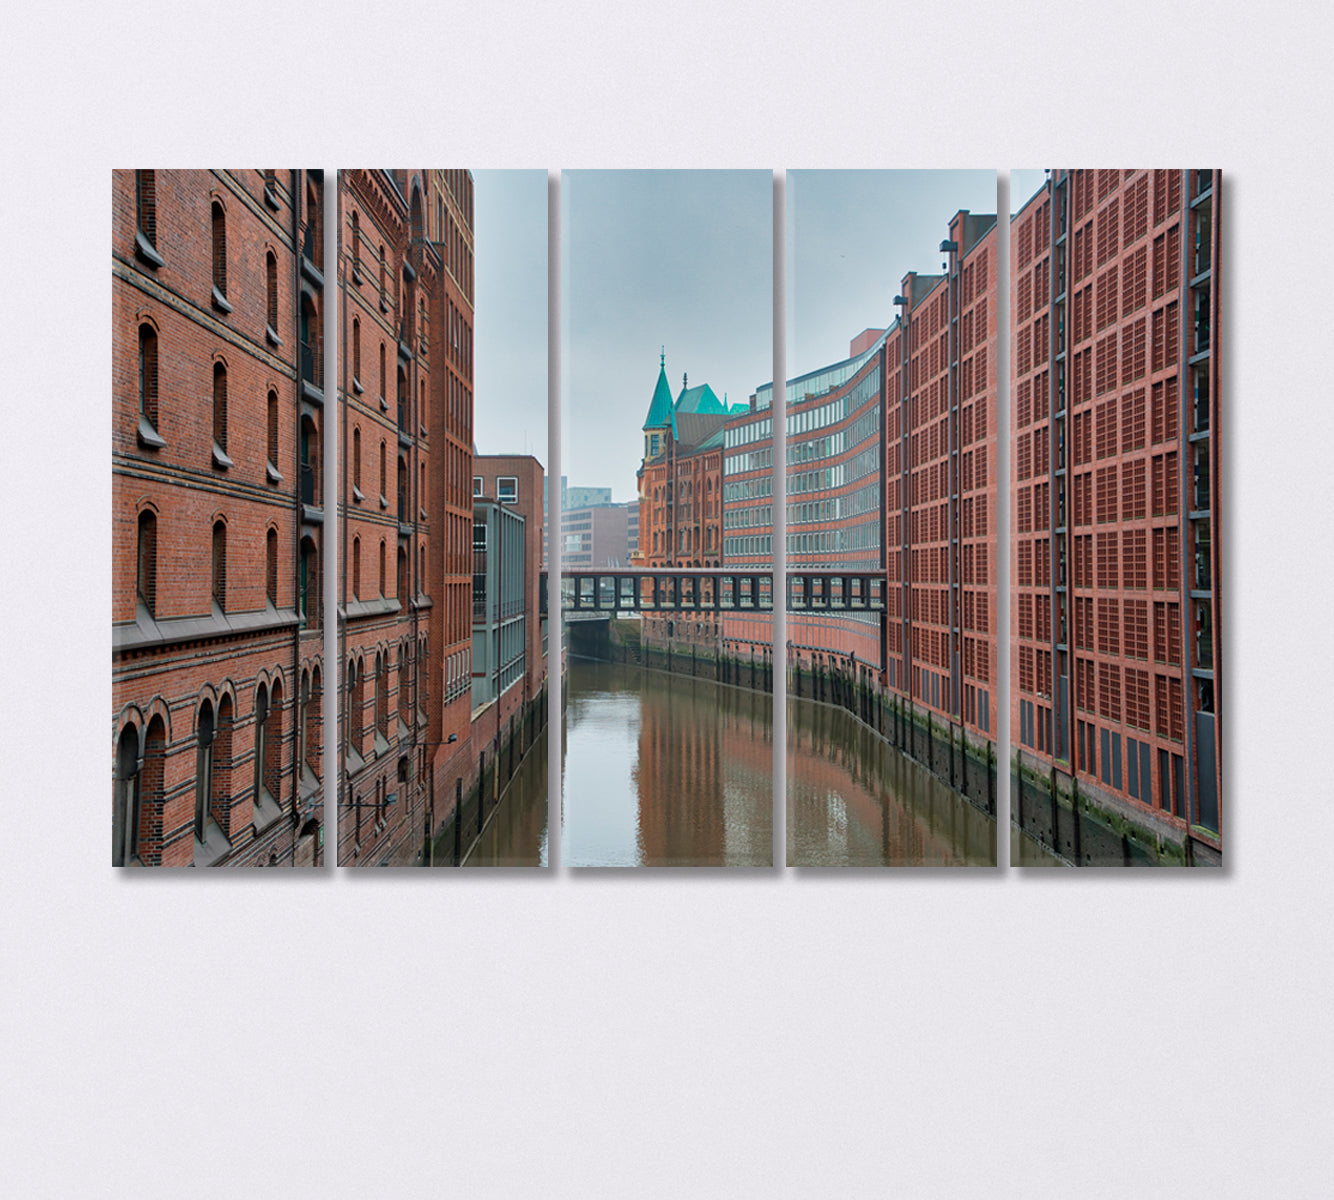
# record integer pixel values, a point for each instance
(661, 414)
(699, 400)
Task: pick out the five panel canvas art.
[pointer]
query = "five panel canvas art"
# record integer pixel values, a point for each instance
(329, 468)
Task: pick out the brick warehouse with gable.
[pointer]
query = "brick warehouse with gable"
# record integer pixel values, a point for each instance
(217, 410)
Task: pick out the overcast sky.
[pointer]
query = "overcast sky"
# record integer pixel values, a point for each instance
(681, 259)
(851, 238)
(510, 333)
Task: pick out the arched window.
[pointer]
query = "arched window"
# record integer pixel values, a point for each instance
(404, 680)
(356, 703)
(126, 800)
(356, 353)
(312, 361)
(383, 402)
(220, 565)
(381, 691)
(311, 484)
(145, 197)
(356, 459)
(271, 441)
(384, 290)
(310, 583)
(219, 254)
(383, 493)
(220, 416)
(269, 746)
(403, 514)
(421, 566)
(203, 769)
(402, 575)
(382, 568)
(148, 414)
(271, 566)
(312, 742)
(356, 568)
(314, 244)
(404, 400)
(271, 290)
(146, 563)
(356, 245)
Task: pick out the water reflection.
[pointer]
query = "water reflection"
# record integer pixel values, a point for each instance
(516, 833)
(855, 801)
(665, 770)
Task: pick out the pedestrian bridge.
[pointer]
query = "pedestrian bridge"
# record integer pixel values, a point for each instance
(719, 590)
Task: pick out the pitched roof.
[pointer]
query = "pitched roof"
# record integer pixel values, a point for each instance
(661, 414)
(699, 400)
(696, 430)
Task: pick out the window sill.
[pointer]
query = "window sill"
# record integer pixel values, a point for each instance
(214, 846)
(220, 458)
(356, 386)
(356, 274)
(220, 302)
(271, 198)
(147, 252)
(267, 810)
(357, 497)
(383, 502)
(272, 473)
(384, 404)
(271, 336)
(149, 438)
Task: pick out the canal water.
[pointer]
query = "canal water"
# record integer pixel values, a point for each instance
(855, 801)
(515, 835)
(663, 770)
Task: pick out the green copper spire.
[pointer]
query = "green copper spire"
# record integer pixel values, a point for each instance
(661, 413)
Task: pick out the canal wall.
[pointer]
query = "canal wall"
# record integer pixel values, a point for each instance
(478, 794)
(965, 763)
(1087, 826)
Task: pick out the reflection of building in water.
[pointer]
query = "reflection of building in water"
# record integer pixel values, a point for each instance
(855, 801)
(680, 777)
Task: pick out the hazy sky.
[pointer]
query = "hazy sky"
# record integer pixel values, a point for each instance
(510, 289)
(1022, 186)
(851, 238)
(681, 259)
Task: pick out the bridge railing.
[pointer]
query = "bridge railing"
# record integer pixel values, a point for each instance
(721, 590)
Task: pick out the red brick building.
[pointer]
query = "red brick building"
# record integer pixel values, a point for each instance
(406, 278)
(1115, 624)
(681, 495)
(891, 467)
(217, 516)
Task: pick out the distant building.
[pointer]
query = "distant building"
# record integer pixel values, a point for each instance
(599, 535)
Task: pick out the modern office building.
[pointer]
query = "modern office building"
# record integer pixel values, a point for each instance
(218, 406)
(599, 535)
(1117, 590)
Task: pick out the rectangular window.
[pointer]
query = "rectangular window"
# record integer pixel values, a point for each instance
(507, 489)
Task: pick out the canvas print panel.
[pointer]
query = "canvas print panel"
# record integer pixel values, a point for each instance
(1116, 610)
(667, 324)
(218, 673)
(891, 481)
(443, 431)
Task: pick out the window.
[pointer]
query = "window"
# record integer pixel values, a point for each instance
(271, 441)
(381, 697)
(402, 574)
(356, 704)
(310, 583)
(220, 258)
(220, 565)
(148, 414)
(383, 493)
(382, 577)
(271, 566)
(507, 489)
(356, 568)
(145, 235)
(384, 404)
(146, 563)
(212, 777)
(271, 292)
(220, 458)
(356, 464)
(384, 296)
(476, 485)
(356, 247)
(125, 813)
(356, 355)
